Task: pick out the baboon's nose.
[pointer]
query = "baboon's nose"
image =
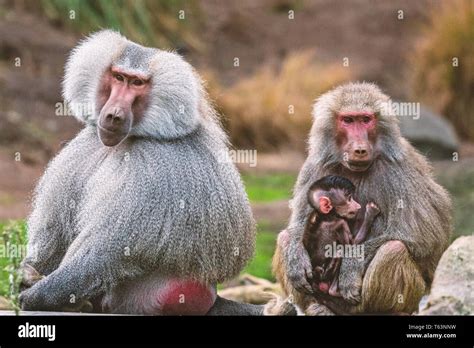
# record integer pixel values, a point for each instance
(115, 119)
(360, 152)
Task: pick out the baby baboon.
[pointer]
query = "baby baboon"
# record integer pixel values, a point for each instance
(328, 228)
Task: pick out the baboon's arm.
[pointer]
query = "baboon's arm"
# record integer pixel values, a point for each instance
(353, 269)
(88, 273)
(51, 225)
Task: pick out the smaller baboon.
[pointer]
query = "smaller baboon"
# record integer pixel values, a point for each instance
(328, 228)
(355, 134)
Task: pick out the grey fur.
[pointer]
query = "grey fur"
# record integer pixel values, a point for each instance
(161, 201)
(424, 228)
(223, 306)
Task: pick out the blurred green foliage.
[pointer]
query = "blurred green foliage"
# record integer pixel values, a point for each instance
(12, 249)
(151, 22)
(265, 188)
(261, 264)
(270, 187)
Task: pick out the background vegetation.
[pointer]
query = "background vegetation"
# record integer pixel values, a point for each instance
(449, 38)
(151, 22)
(271, 108)
(270, 187)
(12, 238)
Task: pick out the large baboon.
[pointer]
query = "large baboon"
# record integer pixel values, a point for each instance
(141, 210)
(356, 135)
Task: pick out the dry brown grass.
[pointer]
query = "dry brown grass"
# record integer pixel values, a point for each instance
(437, 82)
(272, 109)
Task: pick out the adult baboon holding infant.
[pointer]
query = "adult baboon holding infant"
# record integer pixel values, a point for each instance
(355, 135)
(140, 210)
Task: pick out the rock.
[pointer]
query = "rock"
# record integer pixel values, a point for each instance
(452, 291)
(431, 133)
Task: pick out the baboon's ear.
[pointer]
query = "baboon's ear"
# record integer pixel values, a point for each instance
(319, 202)
(325, 205)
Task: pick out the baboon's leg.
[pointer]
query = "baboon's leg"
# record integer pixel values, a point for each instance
(392, 283)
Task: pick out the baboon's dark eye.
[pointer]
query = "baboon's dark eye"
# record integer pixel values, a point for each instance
(118, 77)
(347, 120)
(366, 119)
(137, 82)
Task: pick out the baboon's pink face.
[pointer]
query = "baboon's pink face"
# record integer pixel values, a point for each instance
(121, 103)
(348, 209)
(355, 136)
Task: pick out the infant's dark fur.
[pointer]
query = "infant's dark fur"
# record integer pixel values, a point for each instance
(331, 198)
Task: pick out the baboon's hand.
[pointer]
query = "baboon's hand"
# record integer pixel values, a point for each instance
(300, 272)
(350, 282)
(29, 276)
(31, 299)
(44, 295)
(371, 210)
